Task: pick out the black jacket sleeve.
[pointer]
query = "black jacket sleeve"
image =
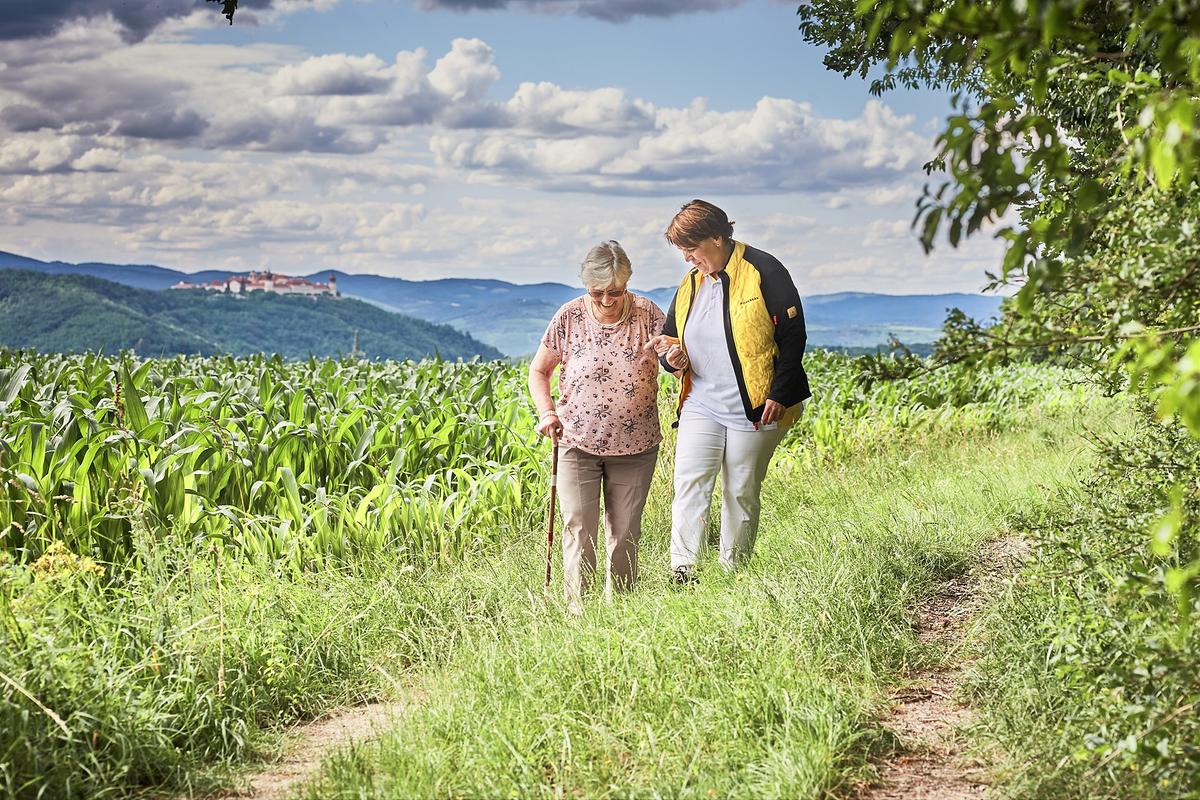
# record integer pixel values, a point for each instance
(790, 384)
(670, 329)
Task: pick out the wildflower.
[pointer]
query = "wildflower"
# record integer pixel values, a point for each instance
(59, 561)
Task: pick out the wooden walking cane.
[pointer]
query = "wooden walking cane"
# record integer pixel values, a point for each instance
(550, 516)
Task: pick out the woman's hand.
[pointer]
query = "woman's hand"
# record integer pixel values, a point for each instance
(772, 412)
(550, 426)
(670, 349)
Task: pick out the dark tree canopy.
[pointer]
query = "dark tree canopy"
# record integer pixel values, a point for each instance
(228, 7)
(1076, 133)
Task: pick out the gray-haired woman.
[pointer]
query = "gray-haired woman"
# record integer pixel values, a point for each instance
(605, 422)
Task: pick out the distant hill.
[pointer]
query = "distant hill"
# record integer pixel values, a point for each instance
(74, 313)
(512, 317)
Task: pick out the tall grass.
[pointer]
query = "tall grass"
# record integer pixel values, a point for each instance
(1090, 668)
(757, 684)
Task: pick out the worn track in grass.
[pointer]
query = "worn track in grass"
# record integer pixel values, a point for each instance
(927, 714)
(313, 741)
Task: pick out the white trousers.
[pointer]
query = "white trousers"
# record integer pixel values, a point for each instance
(703, 449)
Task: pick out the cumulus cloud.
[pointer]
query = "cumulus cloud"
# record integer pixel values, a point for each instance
(200, 155)
(162, 123)
(246, 98)
(466, 72)
(545, 108)
(68, 96)
(336, 74)
(33, 154)
(778, 146)
(287, 128)
(451, 93)
(21, 118)
(608, 10)
(98, 159)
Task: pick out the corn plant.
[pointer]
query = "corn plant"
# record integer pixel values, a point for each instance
(305, 462)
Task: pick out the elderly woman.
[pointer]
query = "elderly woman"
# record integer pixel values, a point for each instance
(605, 424)
(735, 336)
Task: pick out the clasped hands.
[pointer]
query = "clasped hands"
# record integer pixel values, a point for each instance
(670, 349)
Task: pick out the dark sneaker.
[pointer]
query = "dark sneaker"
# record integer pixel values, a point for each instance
(684, 576)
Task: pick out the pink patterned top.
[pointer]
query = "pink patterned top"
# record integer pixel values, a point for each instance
(607, 383)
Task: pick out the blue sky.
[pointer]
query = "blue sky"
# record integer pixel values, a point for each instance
(401, 138)
(743, 52)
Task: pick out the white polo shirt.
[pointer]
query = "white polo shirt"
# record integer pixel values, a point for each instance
(714, 385)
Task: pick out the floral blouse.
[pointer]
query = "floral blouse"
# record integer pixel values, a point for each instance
(608, 384)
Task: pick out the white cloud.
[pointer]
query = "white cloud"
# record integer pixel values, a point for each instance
(546, 109)
(24, 154)
(778, 146)
(196, 156)
(466, 72)
(98, 159)
(336, 74)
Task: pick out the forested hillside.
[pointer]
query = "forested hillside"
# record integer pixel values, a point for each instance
(77, 313)
(512, 317)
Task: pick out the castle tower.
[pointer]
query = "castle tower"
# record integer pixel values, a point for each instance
(333, 290)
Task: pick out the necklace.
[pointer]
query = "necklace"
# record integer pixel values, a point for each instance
(626, 308)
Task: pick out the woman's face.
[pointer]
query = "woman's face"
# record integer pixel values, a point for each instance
(607, 297)
(708, 256)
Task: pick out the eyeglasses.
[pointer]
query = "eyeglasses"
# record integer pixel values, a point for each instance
(611, 294)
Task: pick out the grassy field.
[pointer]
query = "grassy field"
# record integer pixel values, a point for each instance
(763, 683)
(160, 641)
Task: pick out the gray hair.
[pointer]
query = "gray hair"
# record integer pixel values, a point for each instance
(606, 264)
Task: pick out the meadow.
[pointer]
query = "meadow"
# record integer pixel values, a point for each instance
(199, 552)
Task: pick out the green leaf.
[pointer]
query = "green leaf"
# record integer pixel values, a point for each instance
(1090, 195)
(15, 381)
(292, 493)
(135, 409)
(1163, 534)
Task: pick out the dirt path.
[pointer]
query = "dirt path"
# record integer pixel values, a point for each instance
(315, 740)
(926, 715)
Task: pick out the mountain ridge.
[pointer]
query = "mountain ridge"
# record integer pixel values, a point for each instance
(512, 316)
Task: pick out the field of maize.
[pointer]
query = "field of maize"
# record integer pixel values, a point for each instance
(322, 462)
(306, 463)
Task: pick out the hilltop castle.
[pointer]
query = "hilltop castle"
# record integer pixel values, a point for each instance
(267, 282)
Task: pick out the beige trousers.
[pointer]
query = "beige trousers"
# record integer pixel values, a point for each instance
(624, 482)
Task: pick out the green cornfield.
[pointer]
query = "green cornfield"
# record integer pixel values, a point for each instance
(305, 463)
(321, 462)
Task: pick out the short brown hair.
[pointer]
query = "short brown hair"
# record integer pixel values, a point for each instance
(697, 221)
